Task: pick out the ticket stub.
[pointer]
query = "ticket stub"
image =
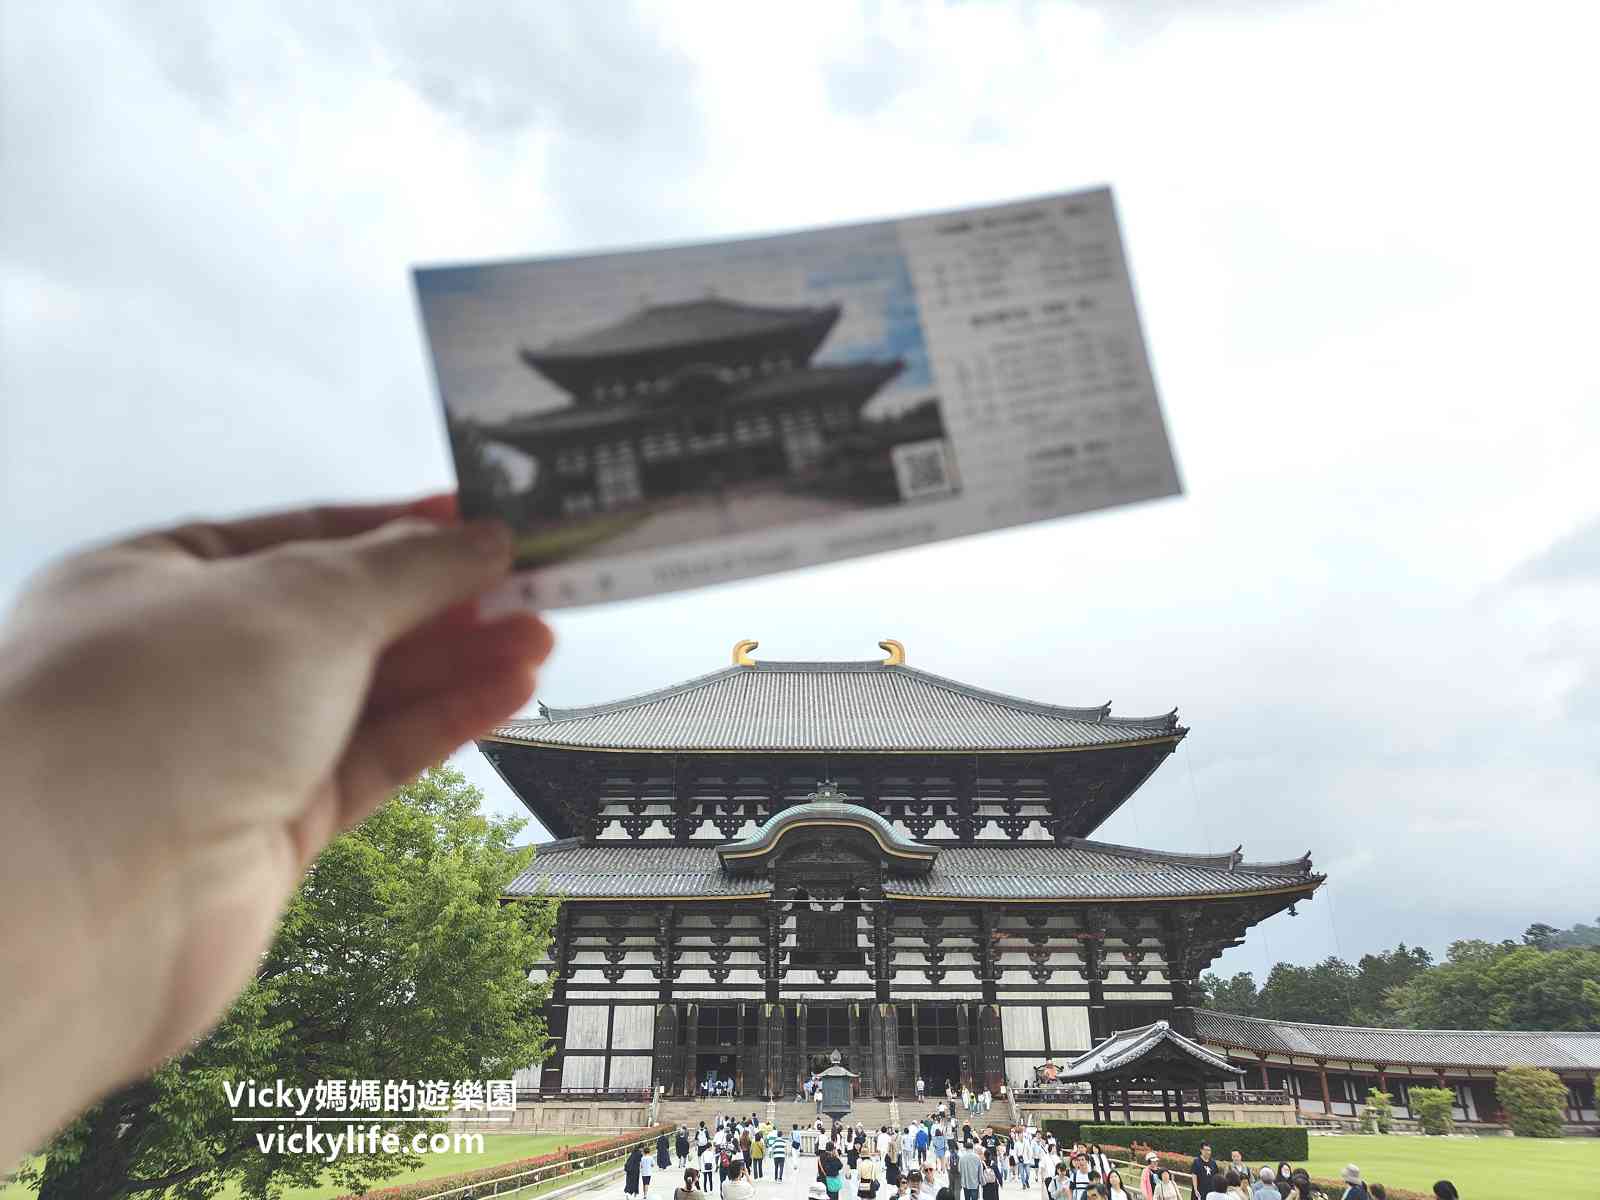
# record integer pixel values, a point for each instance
(660, 419)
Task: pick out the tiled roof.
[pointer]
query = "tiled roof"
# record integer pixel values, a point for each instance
(664, 326)
(832, 706)
(1125, 1049)
(1395, 1047)
(1079, 870)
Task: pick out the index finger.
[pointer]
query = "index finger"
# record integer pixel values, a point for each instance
(229, 539)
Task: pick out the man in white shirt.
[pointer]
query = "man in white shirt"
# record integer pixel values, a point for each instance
(1047, 1165)
(884, 1139)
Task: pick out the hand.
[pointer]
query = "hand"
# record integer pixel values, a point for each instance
(187, 718)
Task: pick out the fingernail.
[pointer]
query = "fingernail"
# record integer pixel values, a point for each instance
(490, 538)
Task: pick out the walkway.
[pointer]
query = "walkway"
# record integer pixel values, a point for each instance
(798, 1176)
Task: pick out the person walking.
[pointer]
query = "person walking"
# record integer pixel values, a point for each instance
(1111, 1181)
(1354, 1189)
(969, 1170)
(989, 1180)
(1204, 1169)
(708, 1164)
(680, 1143)
(1445, 1190)
(1151, 1175)
(647, 1168)
(631, 1171)
(1047, 1163)
(1099, 1160)
(922, 1090)
(1265, 1186)
(758, 1153)
(691, 1187)
(663, 1152)
(1166, 1187)
(777, 1153)
(1078, 1179)
(868, 1173)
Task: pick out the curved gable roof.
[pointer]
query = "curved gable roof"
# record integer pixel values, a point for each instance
(750, 852)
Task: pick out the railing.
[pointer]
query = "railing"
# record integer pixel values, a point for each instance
(1080, 1094)
(631, 1095)
(510, 1185)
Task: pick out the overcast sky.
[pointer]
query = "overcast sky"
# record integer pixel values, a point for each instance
(1364, 242)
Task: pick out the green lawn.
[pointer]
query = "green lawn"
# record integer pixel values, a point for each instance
(497, 1148)
(1479, 1166)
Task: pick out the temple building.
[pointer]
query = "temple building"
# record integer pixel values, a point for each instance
(777, 860)
(696, 396)
(1325, 1071)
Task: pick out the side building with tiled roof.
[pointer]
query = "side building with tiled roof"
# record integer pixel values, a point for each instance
(1327, 1070)
(773, 861)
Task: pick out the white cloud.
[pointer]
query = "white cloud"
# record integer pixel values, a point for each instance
(1365, 250)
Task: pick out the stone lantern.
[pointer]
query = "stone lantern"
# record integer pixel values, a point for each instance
(836, 1084)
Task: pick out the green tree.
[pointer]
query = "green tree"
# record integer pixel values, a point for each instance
(1237, 995)
(483, 484)
(1540, 936)
(1323, 993)
(395, 960)
(1534, 1100)
(1377, 974)
(1578, 936)
(1431, 1107)
(1487, 985)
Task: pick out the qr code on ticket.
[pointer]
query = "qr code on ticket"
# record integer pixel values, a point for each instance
(924, 469)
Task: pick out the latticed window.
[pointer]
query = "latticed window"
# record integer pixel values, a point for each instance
(827, 1025)
(717, 1025)
(938, 1025)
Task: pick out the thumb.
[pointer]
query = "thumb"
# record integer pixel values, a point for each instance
(410, 570)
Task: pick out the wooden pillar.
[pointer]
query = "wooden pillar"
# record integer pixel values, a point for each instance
(1322, 1075)
(1265, 1083)
(1205, 1104)
(1127, 1112)
(882, 949)
(1383, 1079)
(884, 1026)
(1166, 1105)
(1182, 1120)
(773, 967)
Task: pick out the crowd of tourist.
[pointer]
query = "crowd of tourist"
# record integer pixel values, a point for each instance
(1233, 1179)
(943, 1158)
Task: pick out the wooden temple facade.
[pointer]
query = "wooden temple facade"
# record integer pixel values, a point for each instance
(695, 396)
(781, 859)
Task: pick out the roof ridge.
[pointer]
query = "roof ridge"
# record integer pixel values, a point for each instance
(1096, 714)
(1226, 861)
(550, 716)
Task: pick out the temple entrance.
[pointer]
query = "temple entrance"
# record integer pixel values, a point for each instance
(716, 1074)
(939, 1071)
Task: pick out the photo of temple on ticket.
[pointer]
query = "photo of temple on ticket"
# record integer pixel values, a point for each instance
(650, 420)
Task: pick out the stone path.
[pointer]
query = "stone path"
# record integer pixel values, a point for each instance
(799, 1174)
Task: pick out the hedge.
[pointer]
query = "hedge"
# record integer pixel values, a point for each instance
(568, 1155)
(1180, 1164)
(1257, 1143)
(1066, 1132)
